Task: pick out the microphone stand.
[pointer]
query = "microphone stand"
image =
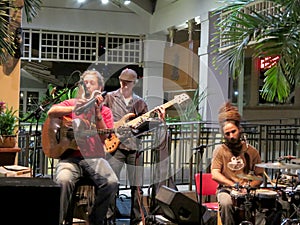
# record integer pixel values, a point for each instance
(37, 115)
(200, 151)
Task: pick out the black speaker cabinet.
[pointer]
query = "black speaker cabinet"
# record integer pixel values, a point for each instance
(27, 200)
(179, 208)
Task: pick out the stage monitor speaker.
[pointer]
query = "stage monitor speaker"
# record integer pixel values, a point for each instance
(179, 208)
(27, 200)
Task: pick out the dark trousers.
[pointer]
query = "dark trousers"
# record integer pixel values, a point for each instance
(134, 167)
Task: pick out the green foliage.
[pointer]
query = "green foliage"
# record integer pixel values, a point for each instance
(191, 112)
(31, 8)
(190, 109)
(7, 39)
(49, 99)
(270, 32)
(8, 121)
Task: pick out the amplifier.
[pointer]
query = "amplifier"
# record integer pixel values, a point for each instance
(27, 200)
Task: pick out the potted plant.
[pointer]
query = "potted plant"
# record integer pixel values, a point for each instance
(8, 124)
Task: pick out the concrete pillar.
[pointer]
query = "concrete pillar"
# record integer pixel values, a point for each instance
(154, 46)
(211, 81)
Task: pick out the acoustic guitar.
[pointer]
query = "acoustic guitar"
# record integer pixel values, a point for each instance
(112, 142)
(58, 134)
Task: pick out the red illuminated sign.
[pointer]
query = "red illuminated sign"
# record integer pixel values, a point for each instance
(268, 62)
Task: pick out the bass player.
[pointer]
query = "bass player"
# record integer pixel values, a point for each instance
(123, 102)
(88, 160)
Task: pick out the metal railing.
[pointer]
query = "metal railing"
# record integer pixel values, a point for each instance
(273, 140)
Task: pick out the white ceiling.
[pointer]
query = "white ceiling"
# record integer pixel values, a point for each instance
(149, 6)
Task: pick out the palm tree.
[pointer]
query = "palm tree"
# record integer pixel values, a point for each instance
(273, 31)
(8, 24)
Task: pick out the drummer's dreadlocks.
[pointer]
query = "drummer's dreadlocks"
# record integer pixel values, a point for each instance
(229, 113)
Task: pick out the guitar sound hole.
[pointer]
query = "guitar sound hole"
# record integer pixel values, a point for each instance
(57, 136)
(70, 134)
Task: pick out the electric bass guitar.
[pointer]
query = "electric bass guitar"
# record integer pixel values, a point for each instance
(112, 142)
(58, 134)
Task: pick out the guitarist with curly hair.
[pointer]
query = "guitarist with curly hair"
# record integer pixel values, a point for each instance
(85, 153)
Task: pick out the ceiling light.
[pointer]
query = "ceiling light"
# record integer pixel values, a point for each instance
(127, 2)
(104, 1)
(80, 1)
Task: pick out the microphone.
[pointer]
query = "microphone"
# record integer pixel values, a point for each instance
(88, 104)
(86, 92)
(201, 147)
(80, 82)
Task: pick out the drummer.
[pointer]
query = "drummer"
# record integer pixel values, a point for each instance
(233, 165)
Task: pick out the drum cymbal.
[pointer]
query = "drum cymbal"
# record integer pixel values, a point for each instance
(248, 177)
(290, 172)
(295, 160)
(278, 165)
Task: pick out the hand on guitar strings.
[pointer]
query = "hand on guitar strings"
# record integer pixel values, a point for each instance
(161, 112)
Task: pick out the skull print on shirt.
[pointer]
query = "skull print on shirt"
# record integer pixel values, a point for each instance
(236, 163)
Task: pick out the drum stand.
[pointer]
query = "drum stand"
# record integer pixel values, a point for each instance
(291, 220)
(248, 206)
(294, 210)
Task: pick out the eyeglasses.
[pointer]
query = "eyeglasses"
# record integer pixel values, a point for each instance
(126, 81)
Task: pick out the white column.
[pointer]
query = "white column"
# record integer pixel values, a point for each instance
(214, 84)
(154, 46)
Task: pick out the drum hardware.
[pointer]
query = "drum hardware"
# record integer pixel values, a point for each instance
(249, 177)
(295, 160)
(246, 205)
(246, 223)
(278, 165)
(286, 180)
(292, 196)
(294, 218)
(286, 157)
(290, 222)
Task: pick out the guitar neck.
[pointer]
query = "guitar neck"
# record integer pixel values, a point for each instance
(91, 132)
(99, 131)
(148, 114)
(106, 131)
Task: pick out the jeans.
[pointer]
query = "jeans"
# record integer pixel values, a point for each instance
(68, 172)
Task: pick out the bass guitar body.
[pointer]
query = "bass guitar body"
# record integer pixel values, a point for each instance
(112, 142)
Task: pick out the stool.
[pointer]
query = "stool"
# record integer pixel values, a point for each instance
(208, 189)
(81, 201)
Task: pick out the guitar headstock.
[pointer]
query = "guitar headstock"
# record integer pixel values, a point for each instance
(181, 98)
